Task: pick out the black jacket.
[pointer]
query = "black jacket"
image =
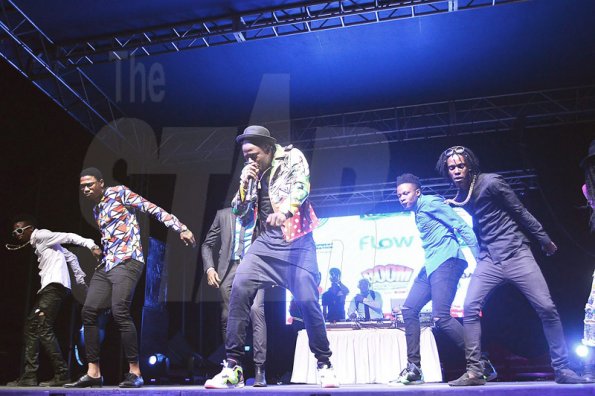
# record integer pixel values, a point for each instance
(499, 218)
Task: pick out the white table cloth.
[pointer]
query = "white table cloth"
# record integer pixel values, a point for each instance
(366, 356)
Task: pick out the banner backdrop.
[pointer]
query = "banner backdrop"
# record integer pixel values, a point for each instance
(385, 249)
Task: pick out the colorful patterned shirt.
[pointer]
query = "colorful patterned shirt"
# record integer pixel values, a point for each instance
(288, 190)
(120, 233)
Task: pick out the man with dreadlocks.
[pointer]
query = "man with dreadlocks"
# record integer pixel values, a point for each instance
(500, 220)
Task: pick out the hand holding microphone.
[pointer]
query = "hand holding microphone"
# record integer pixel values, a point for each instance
(249, 176)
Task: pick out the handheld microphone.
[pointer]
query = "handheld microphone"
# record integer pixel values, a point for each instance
(251, 190)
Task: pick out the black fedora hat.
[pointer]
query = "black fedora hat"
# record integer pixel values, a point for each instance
(590, 155)
(256, 132)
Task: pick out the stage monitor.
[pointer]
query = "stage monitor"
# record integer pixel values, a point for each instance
(385, 249)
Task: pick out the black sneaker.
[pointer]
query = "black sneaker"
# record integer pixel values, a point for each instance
(86, 382)
(23, 381)
(260, 378)
(489, 371)
(411, 375)
(132, 380)
(567, 376)
(466, 380)
(58, 380)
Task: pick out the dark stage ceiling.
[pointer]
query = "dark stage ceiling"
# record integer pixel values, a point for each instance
(467, 53)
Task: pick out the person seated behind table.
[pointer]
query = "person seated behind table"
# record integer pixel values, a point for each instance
(333, 300)
(367, 304)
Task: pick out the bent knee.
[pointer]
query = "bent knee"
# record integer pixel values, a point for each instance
(89, 314)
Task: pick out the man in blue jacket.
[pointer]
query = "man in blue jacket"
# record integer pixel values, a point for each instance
(440, 229)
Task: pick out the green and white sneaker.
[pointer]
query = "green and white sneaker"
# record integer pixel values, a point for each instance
(411, 375)
(232, 376)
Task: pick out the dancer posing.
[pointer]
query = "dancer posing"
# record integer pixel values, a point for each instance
(54, 261)
(500, 221)
(121, 267)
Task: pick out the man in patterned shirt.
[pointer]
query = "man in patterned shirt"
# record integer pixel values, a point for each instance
(119, 271)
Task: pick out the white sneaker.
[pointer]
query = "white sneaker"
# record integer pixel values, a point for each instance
(228, 378)
(327, 376)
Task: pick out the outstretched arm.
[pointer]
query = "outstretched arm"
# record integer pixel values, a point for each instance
(132, 199)
(73, 263)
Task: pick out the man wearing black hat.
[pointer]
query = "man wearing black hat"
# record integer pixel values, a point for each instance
(275, 185)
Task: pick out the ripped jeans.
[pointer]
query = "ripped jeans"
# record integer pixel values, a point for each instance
(39, 329)
(440, 287)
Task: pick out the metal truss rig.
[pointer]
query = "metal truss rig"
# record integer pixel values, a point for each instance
(24, 46)
(489, 114)
(520, 181)
(283, 20)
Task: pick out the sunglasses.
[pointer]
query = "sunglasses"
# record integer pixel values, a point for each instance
(454, 150)
(20, 230)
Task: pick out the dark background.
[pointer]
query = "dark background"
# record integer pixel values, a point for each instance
(524, 47)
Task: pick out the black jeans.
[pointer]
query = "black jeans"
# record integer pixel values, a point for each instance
(259, 326)
(522, 271)
(39, 330)
(114, 289)
(441, 288)
(258, 272)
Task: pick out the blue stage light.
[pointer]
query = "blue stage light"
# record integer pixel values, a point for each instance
(152, 360)
(581, 351)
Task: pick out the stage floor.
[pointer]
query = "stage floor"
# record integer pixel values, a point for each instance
(545, 388)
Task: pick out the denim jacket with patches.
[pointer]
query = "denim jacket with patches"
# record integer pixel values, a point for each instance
(289, 187)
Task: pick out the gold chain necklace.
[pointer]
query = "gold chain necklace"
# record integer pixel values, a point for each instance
(16, 247)
(261, 176)
(466, 201)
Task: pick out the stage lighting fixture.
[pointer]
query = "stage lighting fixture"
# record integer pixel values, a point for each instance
(158, 359)
(158, 368)
(581, 351)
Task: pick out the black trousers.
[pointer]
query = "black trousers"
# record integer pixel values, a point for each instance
(441, 288)
(258, 272)
(39, 330)
(522, 271)
(114, 289)
(259, 326)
